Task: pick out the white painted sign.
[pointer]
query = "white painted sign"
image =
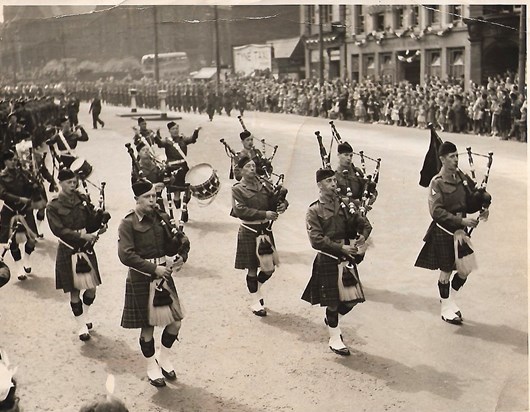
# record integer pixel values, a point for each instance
(252, 57)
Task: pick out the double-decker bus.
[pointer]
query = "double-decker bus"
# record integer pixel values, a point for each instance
(170, 65)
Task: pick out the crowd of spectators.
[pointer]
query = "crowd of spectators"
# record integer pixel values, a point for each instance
(497, 108)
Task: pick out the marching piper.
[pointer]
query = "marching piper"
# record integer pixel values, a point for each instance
(153, 250)
(448, 207)
(146, 167)
(334, 281)
(16, 191)
(74, 220)
(255, 202)
(249, 150)
(142, 132)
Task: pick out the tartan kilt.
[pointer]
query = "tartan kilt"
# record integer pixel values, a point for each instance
(322, 287)
(5, 221)
(64, 272)
(438, 251)
(246, 256)
(136, 307)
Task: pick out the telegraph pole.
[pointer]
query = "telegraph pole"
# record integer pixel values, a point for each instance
(320, 47)
(157, 72)
(522, 49)
(217, 55)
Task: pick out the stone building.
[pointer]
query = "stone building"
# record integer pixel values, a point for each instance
(408, 42)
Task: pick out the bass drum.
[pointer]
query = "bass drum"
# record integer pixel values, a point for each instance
(204, 182)
(81, 168)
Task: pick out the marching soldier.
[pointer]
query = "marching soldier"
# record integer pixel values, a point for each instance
(144, 243)
(256, 204)
(334, 281)
(262, 165)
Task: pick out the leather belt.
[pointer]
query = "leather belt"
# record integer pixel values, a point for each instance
(160, 261)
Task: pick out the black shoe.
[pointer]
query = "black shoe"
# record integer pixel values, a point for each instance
(22, 277)
(89, 325)
(455, 321)
(261, 313)
(262, 302)
(40, 235)
(171, 376)
(102, 124)
(341, 352)
(84, 337)
(27, 270)
(185, 216)
(159, 382)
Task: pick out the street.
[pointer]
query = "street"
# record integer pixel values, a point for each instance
(404, 357)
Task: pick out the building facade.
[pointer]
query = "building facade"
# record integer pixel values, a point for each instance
(392, 43)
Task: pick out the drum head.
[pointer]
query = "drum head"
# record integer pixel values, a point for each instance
(199, 174)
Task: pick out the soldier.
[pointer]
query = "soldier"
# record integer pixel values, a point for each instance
(334, 281)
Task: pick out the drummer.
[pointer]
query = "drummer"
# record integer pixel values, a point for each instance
(150, 170)
(176, 149)
(66, 140)
(143, 133)
(247, 140)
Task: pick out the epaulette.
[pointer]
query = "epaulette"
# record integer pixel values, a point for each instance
(129, 212)
(54, 197)
(236, 183)
(314, 203)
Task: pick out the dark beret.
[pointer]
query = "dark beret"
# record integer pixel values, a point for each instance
(344, 148)
(324, 174)
(141, 186)
(65, 174)
(141, 120)
(244, 135)
(62, 119)
(140, 146)
(243, 161)
(446, 148)
(170, 125)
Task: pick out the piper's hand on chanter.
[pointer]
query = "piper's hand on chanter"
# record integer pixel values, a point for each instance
(350, 250)
(103, 229)
(469, 222)
(484, 214)
(282, 207)
(270, 215)
(178, 263)
(361, 245)
(162, 271)
(89, 237)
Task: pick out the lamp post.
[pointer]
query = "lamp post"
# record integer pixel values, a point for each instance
(320, 47)
(157, 72)
(217, 54)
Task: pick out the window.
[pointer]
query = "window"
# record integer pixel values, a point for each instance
(311, 13)
(434, 15)
(387, 68)
(504, 9)
(369, 66)
(359, 19)
(415, 15)
(399, 21)
(434, 63)
(379, 21)
(456, 63)
(327, 12)
(455, 13)
(355, 67)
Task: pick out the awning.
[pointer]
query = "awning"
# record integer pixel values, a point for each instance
(205, 73)
(284, 48)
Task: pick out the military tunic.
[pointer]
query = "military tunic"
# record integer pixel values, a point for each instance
(13, 186)
(328, 225)
(173, 156)
(68, 217)
(141, 238)
(447, 206)
(257, 158)
(250, 202)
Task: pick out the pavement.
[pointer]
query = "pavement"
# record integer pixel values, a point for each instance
(404, 357)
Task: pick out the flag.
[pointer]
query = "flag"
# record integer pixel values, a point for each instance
(431, 164)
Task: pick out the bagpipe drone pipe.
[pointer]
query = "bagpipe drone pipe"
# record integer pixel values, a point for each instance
(369, 191)
(263, 162)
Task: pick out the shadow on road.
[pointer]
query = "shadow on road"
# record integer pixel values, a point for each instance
(42, 287)
(306, 330)
(181, 397)
(115, 354)
(408, 302)
(403, 378)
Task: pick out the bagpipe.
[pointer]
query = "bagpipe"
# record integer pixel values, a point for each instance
(175, 234)
(263, 162)
(350, 209)
(477, 198)
(149, 141)
(25, 163)
(370, 180)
